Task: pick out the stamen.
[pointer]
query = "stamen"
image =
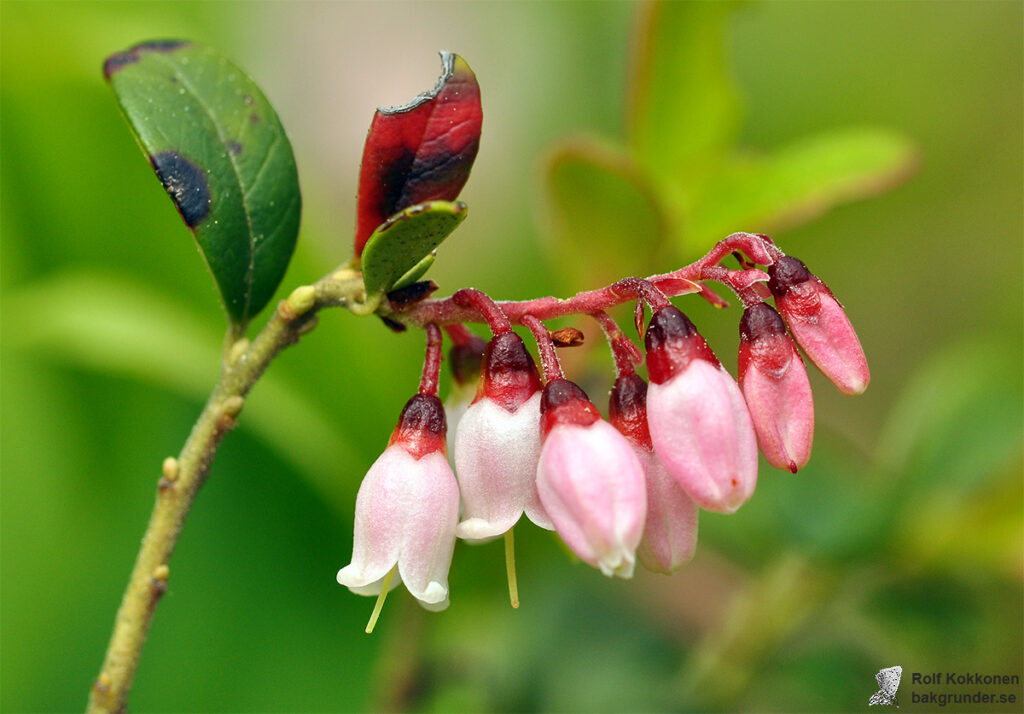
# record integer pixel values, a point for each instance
(385, 587)
(510, 568)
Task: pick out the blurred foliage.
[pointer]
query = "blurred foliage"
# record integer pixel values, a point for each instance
(900, 543)
(679, 183)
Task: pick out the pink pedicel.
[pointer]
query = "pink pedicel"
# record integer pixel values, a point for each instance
(406, 511)
(497, 444)
(670, 529)
(819, 324)
(590, 481)
(699, 424)
(775, 386)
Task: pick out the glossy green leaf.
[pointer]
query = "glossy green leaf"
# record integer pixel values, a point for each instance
(220, 151)
(606, 217)
(682, 105)
(404, 240)
(797, 183)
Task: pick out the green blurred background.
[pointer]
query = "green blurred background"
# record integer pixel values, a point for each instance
(900, 543)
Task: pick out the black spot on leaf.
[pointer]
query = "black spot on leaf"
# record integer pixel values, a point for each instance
(160, 45)
(234, 147)
(117, 61)
(185, 182)
(130, 56)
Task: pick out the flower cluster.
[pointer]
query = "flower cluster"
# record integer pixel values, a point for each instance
(530, 442)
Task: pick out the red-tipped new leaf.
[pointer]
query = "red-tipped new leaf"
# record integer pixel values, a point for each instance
(422, 151)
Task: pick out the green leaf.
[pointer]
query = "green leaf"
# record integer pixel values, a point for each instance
(416, 273)
(104, 323)
(682, 106)
(220, 151)
(797, 184)
(606, 217)
(959, 418)
(404, 240)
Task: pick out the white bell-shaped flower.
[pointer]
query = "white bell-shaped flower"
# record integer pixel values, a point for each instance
(406, 511)
(497, 444)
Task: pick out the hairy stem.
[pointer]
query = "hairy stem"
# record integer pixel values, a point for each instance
(182, 477)
(685, 280)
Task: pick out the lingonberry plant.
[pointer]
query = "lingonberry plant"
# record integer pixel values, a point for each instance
(527, 441)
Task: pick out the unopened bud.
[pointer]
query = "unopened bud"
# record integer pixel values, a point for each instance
(700, 427)
(302, 299)
(590, 481)
(819, 324)
(775, 386)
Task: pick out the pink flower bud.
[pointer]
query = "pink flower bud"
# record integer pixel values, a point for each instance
(670, 529)
(406, 511)
(819, 324)
(699, 423)
(774, 383)
(497, 444)
(590, 481)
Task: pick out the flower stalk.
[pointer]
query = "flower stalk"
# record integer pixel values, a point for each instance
(182, 478)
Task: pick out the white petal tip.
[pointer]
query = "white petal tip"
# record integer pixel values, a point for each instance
(477, 529)
(619, 567)
(434, 597)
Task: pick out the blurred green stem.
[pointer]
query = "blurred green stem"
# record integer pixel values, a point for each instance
(242, 366)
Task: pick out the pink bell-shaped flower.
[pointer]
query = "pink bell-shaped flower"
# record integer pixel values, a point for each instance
(699, 423)
(670, 529)
(497, 444)
(775, 386)
(406, 511)
(819, 324)
(590, 481)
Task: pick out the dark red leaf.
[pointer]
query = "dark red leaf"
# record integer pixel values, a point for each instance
(422, 151)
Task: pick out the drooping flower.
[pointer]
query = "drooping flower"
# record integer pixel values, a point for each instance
(775, 386)
(497, 444)
(406, 511)
(590, 481)
(670, 529)
(699, 424)
(819, 324)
